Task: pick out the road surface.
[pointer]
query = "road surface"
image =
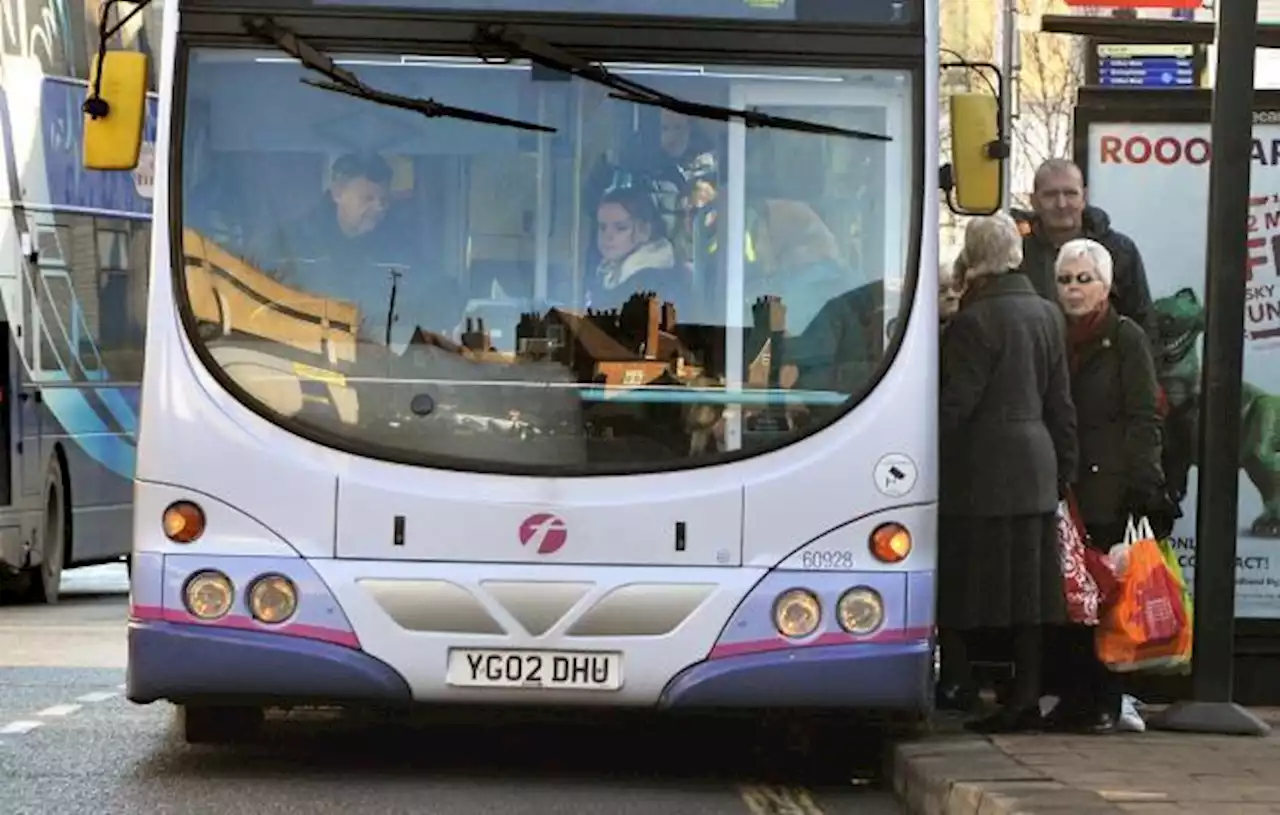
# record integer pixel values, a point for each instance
(70, 744)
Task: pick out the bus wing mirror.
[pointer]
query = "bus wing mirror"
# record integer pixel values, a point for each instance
(115, 110)
(977, 154)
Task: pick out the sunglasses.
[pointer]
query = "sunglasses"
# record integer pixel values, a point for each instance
(1082, 279)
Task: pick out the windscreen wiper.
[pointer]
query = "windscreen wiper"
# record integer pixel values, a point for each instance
(515, 43)
(343, 81)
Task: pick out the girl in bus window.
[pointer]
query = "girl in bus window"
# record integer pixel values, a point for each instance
(636, 255)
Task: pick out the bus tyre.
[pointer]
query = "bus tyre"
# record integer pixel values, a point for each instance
(219, 724)
(46, 578)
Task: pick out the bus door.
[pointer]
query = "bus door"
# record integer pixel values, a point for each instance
(28, 400)
(843, 184)
(8, 416)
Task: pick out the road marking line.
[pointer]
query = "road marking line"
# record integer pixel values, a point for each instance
(765, 800)
(97, 696)
(18, 728)
(59, 710)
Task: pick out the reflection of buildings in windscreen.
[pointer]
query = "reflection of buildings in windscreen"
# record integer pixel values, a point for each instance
(640, 345)
(634, 346)
(281, 344)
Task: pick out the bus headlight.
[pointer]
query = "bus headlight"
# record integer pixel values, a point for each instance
(860, 611)
(890, 543)
(183, 522)
(209, 595)
(273, 599)
(796, 613)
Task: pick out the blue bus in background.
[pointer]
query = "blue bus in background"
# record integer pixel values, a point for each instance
(74, 249)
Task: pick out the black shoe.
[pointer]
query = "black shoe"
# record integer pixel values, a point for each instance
(1101, 724)
(1010, 720)
(1066, 719)
(955, 696)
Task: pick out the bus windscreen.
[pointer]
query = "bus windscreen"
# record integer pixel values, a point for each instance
(846, 12)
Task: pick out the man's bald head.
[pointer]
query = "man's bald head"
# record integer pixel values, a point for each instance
(1058, 198)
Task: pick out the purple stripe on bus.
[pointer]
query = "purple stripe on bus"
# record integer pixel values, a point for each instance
(892, 676)
(779, 643)
(244, 622)
(212, 664)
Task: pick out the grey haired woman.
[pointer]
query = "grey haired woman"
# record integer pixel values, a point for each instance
(1008, 450)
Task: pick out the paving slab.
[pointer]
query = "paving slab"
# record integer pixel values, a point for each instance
(956, 773)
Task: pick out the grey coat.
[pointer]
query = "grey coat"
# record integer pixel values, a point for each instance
(1007, 422)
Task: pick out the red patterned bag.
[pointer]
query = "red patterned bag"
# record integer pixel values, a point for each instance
(1089, 582)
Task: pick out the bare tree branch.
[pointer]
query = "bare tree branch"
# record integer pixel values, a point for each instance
(1052, 68)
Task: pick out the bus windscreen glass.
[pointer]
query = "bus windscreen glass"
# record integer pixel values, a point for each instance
(637, 290)
(846, 12)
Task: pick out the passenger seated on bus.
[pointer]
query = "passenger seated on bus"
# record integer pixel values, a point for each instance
(344, 247)
(793, 254)
(678, 166)
(636, 255)
(842, 346)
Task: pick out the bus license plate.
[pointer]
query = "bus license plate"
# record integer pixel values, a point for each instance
(549, 670)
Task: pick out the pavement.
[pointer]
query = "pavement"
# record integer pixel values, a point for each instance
(1038, 774)
(70, 743)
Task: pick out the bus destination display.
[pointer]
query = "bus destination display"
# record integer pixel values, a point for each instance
(848, 12)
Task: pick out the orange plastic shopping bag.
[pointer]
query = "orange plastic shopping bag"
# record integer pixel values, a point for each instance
(1147, 626)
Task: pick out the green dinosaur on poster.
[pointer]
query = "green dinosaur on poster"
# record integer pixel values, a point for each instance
(1181, 321)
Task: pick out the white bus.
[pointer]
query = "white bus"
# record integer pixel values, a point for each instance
(556, 353)
(74, 258)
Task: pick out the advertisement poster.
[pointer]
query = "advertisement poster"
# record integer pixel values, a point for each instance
(1153, 180)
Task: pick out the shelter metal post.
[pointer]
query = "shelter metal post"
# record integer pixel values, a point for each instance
(1217, 512)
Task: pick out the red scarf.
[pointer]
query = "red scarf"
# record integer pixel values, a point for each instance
(1084, 330)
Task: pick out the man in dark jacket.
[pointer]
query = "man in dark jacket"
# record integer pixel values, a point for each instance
(1060, 213)
(345, 247)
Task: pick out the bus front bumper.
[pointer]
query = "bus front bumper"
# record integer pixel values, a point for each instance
(188, 663)
(185, 663)
(385, 634)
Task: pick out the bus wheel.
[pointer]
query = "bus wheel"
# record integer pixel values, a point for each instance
(46, 579)
(219, 724)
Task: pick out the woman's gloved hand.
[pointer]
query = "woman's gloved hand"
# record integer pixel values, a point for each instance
(1158, 507)
(1064, 489)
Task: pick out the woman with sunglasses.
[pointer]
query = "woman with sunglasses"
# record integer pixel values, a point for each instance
(1114, 387)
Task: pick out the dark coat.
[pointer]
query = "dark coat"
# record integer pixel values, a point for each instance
(1007, 423)
(311, 253)
(1114, 389)
(1130, 294)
